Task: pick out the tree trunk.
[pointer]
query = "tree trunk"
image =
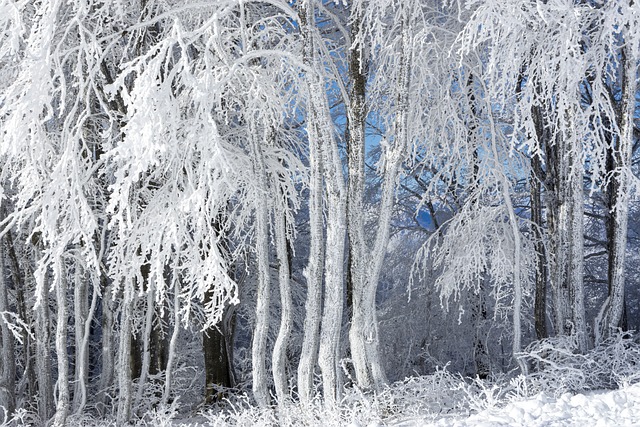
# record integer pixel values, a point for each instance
(356, 116)
(107, 371)
(80, 313)
(172, 342)
(286, 320)
(43, 357)
(564, 161)
(124, 358)
(62, 385)
(313, 272)
(334, 267)
(540, 305)
(217, 360)
(7, 352)
(261, 329)
(611, 314)
(28, 384)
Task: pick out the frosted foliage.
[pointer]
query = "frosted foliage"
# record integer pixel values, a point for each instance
(183, 148)
(478, 245)
(162, 162)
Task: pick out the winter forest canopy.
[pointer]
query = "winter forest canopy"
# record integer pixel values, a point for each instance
(295, 199)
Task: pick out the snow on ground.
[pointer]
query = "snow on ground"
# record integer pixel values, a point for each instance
(616, 408)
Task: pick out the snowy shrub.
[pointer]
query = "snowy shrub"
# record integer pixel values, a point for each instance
(559, 368)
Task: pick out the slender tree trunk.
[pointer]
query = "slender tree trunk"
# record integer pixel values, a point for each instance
(18, 274)
(334, 266)
(7, 352)
(356, 116)
(80, 313)
(286, 320)
(173, 342)
(83, 354)
(259, 347)
(364, 335)
(313, 272)
(540, 305)
(107, 372)
(62, 385)
(43, 357)
(124, 358)
(146, 352)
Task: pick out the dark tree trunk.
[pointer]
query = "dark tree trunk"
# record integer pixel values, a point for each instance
(540, 307)
(216, 342)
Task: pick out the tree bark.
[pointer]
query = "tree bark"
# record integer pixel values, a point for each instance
(259, 345)
(313, 271)
(286, 317)
(62, 385)
(7, 353)
(540, 305)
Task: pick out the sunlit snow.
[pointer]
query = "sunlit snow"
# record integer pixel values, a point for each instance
(595, 409)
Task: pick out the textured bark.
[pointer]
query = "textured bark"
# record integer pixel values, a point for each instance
(173, 342)
(7, 351)
(43, 357)
(124, 360)
(107, 371)
(81, 356)
(313, 271)
(540, 305)
(565, 222)
(146, 352)
(217, 360)
(286, 320)
(259, 345)
(62, 385)
(18, 274)
(356, 116)
(329, 356)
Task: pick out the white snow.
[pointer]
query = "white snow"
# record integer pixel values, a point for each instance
(595, 409)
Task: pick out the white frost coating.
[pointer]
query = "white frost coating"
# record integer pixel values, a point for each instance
(313, 271)
(172, 342)
(313, 274)
(62, 385)
(364, 335)
(7, 356)
(124, 358)
(146, 352)
(43, 357)
(334, 256)
(612, 310)
(259, 345)
(286, 319)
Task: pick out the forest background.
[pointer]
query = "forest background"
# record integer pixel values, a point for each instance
(298, 199)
